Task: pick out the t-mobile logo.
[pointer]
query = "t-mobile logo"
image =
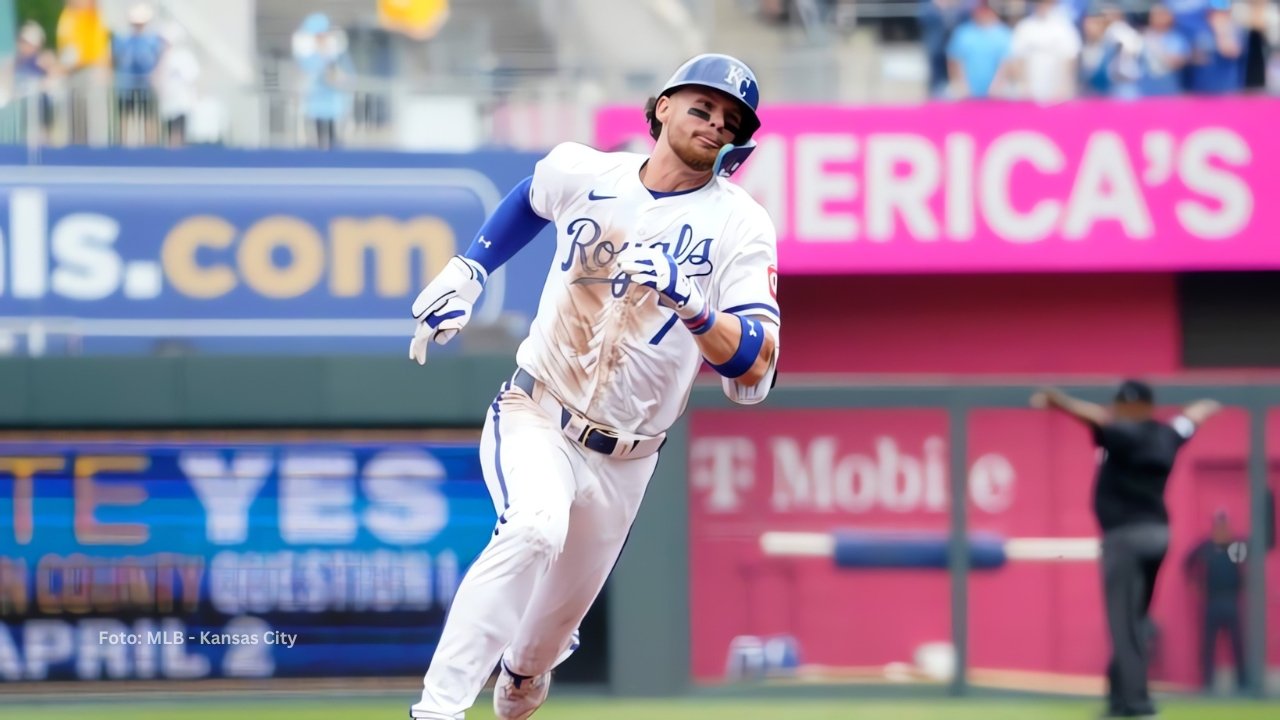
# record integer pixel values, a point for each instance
(724, 468)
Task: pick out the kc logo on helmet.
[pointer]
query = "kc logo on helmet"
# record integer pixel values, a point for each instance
(737, 76)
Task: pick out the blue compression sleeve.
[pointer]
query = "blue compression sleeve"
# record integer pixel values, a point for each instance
(511, 226)
(749, 344)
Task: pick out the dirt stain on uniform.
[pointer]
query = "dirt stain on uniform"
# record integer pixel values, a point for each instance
(593, 329)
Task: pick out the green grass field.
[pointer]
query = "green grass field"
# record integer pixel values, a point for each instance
(575, 708)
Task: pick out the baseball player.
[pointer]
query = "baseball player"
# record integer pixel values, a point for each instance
(661, 265)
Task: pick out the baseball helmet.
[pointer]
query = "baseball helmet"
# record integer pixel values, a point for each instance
(727, 74)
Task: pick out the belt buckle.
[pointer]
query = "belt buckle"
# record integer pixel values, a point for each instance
(590, 427)
(607, 446)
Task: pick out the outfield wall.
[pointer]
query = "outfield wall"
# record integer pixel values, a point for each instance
(818, 457)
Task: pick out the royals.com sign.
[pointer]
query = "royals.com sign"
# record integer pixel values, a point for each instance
(243, 257)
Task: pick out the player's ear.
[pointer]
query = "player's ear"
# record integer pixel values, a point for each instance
(662, 110)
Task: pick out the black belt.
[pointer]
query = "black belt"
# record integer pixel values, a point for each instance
(592, 439)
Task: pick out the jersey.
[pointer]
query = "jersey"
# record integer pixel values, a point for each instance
(607, 349)
(1137, 460)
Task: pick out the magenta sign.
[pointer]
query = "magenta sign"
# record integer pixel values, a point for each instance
(1158, 185)
(880, 472)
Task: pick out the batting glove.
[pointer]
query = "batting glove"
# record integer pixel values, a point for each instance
(444, 305)
(655, 269)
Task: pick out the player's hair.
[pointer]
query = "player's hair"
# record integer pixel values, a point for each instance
(651, 117)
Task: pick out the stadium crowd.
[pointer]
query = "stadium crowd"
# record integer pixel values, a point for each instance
(147, 72)
(1055, 50)
(149, 76)
(1063, 49)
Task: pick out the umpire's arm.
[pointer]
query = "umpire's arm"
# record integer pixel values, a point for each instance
(1201, 410)
(1089, 413)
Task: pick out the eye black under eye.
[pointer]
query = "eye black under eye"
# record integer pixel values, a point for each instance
(700, 113)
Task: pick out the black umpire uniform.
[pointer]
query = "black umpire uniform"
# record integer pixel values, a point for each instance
(1138, 454)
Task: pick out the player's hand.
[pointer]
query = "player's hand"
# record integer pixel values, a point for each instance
(655, 269)
(444, 305)
(1046, 398)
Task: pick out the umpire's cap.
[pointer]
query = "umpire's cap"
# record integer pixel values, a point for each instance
(1135, 391)
(727, 74)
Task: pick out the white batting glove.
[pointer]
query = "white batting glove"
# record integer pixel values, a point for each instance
(655, 269)
(444, 306)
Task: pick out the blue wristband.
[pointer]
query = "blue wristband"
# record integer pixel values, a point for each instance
(749, 344)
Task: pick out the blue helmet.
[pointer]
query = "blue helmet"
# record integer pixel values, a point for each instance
(727, 74)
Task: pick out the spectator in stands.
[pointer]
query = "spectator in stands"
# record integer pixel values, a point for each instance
(1217, 53)
(1043, 54)
(1093, 60)
(34, 70)
(1261, 22)
(176, 81)
(136, 55)
(1164, 53)
(976, 50)
(83, 40)
(1110, 61)
(84, 51)
(938, 19)
(322, 59)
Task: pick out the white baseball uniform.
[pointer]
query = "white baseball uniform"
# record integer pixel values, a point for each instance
(603, 360)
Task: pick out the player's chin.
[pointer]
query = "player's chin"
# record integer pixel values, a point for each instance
(700, 158)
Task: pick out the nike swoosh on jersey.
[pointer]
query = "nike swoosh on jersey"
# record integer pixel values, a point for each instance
(593, 196)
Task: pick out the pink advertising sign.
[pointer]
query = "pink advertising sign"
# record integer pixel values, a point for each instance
(1157, 185)
(882, 471)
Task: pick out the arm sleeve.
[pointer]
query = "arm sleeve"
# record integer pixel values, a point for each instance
(511, 226)
(747, 284)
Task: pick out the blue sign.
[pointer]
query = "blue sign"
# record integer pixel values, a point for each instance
(168, 560)
(244, 255)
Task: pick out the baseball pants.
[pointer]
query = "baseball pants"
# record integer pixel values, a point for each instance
(563, 516)
(1131, 558)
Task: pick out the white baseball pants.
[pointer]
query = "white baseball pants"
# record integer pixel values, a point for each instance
(564, 514)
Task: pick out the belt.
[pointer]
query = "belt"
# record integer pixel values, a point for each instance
(582, 431)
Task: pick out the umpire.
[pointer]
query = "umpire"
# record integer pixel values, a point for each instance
(1138, 455)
